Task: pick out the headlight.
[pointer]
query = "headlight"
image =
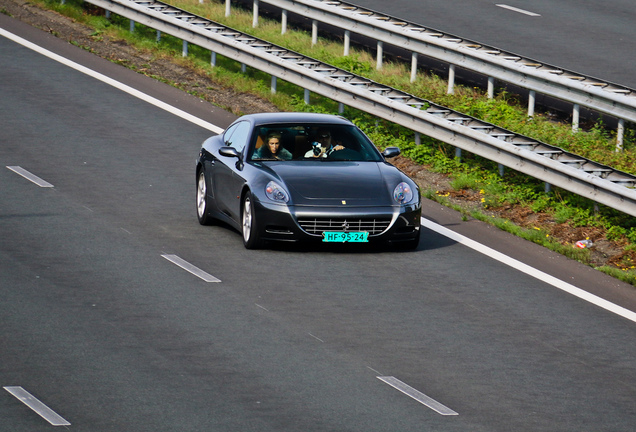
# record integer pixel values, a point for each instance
(275, 192)
(403, 194)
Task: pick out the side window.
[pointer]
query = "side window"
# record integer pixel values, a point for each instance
(237, 135)
(228, 134)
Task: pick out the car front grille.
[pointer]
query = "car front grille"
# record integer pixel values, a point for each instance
(318, 225)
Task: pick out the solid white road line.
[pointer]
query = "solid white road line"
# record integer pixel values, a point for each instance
(31, 177)
(418, 396)
(531, 271)
(45, 412)
(190, 268)
(123, 87)
(523, 11)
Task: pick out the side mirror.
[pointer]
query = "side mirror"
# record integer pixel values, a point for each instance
(229, 152)
(232, 152)
(391, 152)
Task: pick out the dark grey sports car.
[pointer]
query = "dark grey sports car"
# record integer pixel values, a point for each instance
(304, 177)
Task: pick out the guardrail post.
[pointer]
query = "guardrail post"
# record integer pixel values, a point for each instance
(227, 8)
(307, 96)
(451, 79)
(380, 54)
(132, 26)
(314, 32)
(501, 170)
(158, 36)
(255, 14)
(491, 87)
(274, 82)
(458, 153)
(413, 66)
(547, 187)
(532, 97)
(107, 14)
(417, 138)
(184, 52)
(243, 68)
(213, 59)
(620, 132)
(575, 117)
(340, 108)
(283, 22)
(347, 42)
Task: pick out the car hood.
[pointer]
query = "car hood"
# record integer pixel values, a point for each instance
(335, 183)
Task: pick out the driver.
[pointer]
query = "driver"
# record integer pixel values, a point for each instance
(272, 149)
(322, 146)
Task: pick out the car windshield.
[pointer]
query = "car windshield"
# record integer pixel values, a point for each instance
(325, 142)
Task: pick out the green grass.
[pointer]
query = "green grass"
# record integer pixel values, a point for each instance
(472, 172)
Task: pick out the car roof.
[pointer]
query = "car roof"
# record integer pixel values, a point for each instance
(294, 117)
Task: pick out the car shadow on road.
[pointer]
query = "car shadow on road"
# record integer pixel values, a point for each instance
(430, 240)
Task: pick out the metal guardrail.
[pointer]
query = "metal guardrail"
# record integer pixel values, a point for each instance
(548, 163)
(581, 90)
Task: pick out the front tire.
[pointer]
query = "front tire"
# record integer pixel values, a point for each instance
(251, 235)
(203, 201)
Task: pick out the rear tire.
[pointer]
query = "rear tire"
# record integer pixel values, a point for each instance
(203, 201)
(251, 235)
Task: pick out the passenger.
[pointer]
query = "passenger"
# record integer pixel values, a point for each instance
(272, 149)
(322, 146)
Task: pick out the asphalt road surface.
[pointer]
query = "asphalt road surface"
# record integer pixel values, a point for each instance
(589, 37)
(101, 326)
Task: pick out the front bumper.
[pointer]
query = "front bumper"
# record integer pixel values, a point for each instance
(277, 222)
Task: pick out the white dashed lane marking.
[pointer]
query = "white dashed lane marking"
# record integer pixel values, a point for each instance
(522, 11)
(418, 396)
(29, 400)
(31, 177)
(191, 268)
